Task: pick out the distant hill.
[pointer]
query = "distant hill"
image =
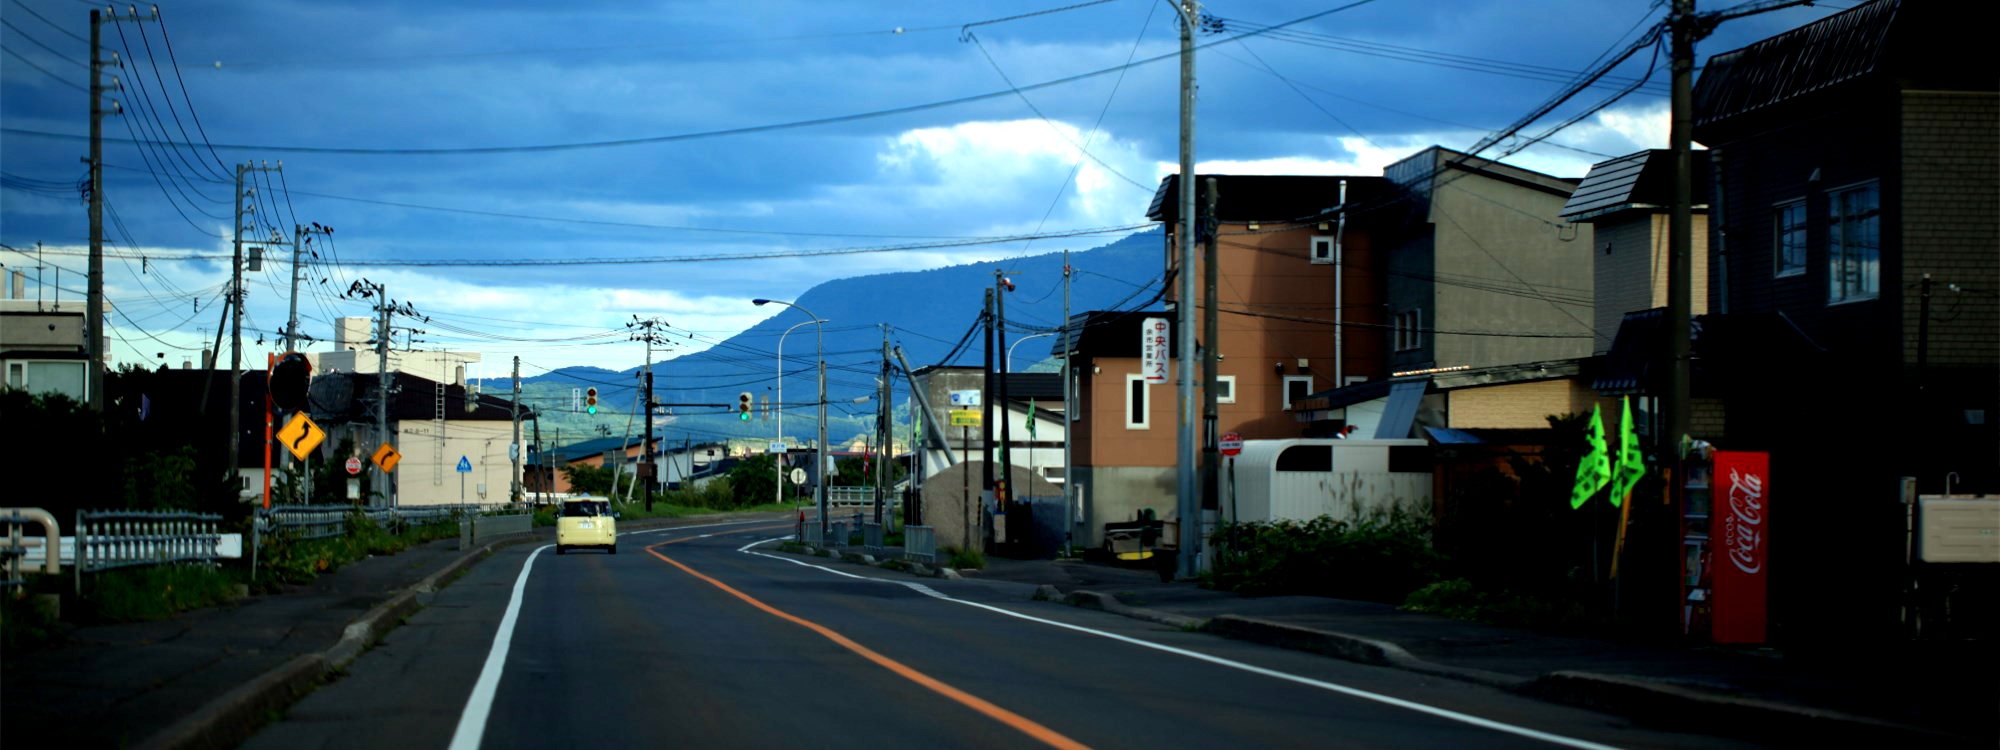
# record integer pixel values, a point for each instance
(928, 313)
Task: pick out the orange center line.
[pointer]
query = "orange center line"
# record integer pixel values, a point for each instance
(1018, 722)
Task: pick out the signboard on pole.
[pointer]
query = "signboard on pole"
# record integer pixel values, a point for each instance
(1153, 350)
(1230, 444)
(301, 435)
(966, 417)
(965, 398)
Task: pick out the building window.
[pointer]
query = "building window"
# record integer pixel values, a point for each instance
(1225, 389)
(1296, 387)
(1853, 252)
(55, 376)
(1788, 222)
(1409, 330)
(1135, 402)
(1322, 248)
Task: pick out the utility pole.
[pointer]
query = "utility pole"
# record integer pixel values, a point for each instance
(236, 295)
(1209, 342)
(648, 330)
(885, 437)
(1680, 240)
(365, 289)
(1189, 504)
(986, 425)
(1069, 417)
(301, 237)
(1004, 487)
(514, 450)
(94, 285)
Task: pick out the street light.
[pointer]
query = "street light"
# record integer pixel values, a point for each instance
(819, 452)
(780, 496)
(1017, 342)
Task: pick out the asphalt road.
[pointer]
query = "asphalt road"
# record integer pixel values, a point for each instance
(685, 638)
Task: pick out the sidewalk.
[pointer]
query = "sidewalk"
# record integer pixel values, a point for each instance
(1934, 693)
(207, 677)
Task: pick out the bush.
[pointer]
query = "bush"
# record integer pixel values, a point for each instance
(962, 559)
(1380, 557)
(153, 592)
(1461, 599)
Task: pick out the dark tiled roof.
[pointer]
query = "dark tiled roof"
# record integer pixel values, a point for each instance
(1273, 198)
(1642, 180)
(1628, 367)
(1810, 58)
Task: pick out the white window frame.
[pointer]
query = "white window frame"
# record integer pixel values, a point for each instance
(1319, 242)
(1838, 249)
(1285, 392)
(1408, 327)
(1143, 420)
(1780, 229)
(1231, 398)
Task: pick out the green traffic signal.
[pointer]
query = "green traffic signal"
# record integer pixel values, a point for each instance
(591, 409)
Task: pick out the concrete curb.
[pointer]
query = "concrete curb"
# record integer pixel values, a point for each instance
(1109, 603)
(230, 719)
(1658, 702)
(1353, 648)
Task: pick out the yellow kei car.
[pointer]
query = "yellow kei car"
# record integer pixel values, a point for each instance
(586, 522)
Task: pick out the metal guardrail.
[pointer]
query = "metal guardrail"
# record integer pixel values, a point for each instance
(860, 497)
(920, 544)
(836, 534)
(812, 535)
(121, 539)
(14, 547)
(871, 539)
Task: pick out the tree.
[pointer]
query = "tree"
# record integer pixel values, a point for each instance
(588, 480)
(753, 480)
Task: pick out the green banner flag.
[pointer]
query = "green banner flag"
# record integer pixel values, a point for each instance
(1630, 466)
(1031, 418)
(1595, 468)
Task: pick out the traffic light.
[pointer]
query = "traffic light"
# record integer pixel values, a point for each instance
(743, 406)
(590, 401)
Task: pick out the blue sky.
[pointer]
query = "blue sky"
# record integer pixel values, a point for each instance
(343, 92)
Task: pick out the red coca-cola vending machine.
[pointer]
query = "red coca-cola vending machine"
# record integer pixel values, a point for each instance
(1725, 544)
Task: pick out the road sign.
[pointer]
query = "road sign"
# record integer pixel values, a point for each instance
(464, 465)
(1231, 444)
(965, 398)
(966, 418)
(776, 447)
(387, 457)
(301, 436)
(798, 477)
(353, 465)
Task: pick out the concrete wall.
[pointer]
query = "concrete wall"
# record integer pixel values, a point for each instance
(1517, 405)
(1116, 493)
(951, 502)
(1504, 268)
(1629, 268)
(428, 473)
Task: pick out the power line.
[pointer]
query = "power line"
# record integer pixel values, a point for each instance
(725, 132)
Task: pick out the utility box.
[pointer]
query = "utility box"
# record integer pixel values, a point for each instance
(1303, 479)
(1954, 529)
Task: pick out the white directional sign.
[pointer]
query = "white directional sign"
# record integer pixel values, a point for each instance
(1153, 350)
(965, 398)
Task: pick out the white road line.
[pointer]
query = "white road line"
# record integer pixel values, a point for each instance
(472, 721)
(1443, 713)
(697, 526)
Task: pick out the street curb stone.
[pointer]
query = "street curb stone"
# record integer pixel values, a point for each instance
(1657, 702)
(1109, 603)
(1352, 648)
(230, 719)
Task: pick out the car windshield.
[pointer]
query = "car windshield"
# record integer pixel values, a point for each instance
(584, 509)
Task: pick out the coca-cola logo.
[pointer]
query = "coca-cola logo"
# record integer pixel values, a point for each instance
(1742, 529)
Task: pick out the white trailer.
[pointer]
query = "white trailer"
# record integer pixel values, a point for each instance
(1302, 479)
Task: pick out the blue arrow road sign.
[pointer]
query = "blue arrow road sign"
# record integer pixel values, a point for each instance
(464, 465)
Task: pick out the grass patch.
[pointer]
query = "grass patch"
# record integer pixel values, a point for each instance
(1461, 599)
(962, 559)
(792, 546)
(298, 561)
(157, 591)
(1379, 557)
(24, 625)
(895, 565)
